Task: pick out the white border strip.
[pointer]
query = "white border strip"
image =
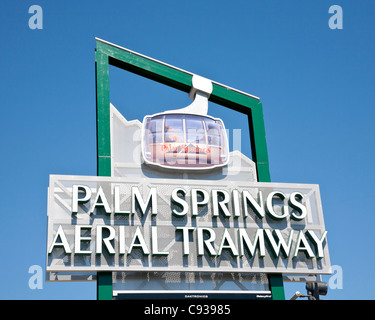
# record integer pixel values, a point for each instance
(190, 292)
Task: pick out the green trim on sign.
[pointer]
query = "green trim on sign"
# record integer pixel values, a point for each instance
(104, 286)
(103, 138)
(102, 115)
(277, 286)
(258, 143)
(110, 54)
(232, 99)
(146, 67)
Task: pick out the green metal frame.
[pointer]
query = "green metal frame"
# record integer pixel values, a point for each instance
(109, 54)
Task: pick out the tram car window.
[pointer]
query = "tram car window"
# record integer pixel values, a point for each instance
(180, 140)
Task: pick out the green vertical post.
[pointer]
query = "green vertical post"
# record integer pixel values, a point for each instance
(258, 143)
(103, 279)
(104, 285)
(277, 286)
(103, 136)
(260, 157)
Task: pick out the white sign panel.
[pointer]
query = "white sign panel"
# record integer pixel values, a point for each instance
(151, 224)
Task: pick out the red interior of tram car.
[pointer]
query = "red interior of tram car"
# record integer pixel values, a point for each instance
(184, 140)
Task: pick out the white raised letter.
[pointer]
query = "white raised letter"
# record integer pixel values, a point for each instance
(75, 199)
(207, 242)
(303, 245)
(64, 242)
(142, 244)
(185, 238)
(285, 248)
(118, 202)
(297, 206)
(318, 243)
(236, 203)
(177, 200)
(136, 195)
(258, 239)
(102, 203)
(107, 241)
(230, 245)
(78, 238)
(194, 200)
(154, 243)
(269, 205)
(216, 203)
(258, 208)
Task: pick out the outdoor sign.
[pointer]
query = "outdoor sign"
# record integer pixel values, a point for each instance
(172, 209)
(139, 224)
(214, 220)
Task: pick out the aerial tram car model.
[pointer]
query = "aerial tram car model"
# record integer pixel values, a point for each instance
(186, 138)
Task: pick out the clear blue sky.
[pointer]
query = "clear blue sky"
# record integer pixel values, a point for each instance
(316, 84)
